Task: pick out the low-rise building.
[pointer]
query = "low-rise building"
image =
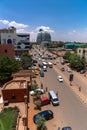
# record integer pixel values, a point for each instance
(21, 41)
(82, 52)
(7, 50)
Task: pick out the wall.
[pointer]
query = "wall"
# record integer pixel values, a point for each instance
(8, 50)
(14, 95)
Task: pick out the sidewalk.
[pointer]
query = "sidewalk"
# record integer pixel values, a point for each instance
(31, 110)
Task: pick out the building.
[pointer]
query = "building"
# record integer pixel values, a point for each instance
(73, 45)
(43, 38)
(82, 52)
(21, 41)
(15, 90)
(7, 50)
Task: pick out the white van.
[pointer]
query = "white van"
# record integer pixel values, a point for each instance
(53, 97)
(50, 65)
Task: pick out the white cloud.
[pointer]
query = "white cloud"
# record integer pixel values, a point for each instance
(13, 23)
(4, 22)
(44, 28)
(17, 25)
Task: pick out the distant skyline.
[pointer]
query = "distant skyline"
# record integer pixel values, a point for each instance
(65, 20)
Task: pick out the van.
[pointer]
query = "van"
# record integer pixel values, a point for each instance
(50, 65)
(53, 97)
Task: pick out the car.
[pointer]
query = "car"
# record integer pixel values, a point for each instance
(41, 73)
(62, 62)
(41, 91)
(54, 63)
(82, 71)
(43, 100)
(44, 68)
(47, 114)
(68, 70)
(67, 128)
(62, 69)
(60, 79)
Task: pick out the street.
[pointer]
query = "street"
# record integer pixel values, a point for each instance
(71, 111)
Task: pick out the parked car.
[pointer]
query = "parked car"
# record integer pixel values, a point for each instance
(54, 62)
(68, 70)
(60, 79)
(82, 71)
(47, 114)
(53, 97)
(67, 128)
(44, 101)
(41, 91)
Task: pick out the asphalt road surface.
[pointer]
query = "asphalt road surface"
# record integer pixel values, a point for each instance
(71, 111)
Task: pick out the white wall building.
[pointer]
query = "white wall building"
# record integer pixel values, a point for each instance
(21, 41)
(82, 52)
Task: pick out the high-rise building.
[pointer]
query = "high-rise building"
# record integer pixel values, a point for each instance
(43, 37)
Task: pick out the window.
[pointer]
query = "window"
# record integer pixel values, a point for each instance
(5, 50)
(13, 97)
(83, 51)
(79, 51)
(9, 41)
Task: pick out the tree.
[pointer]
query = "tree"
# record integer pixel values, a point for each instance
(41, 123)
(67, 55)
(34, 85)
(26, 61)
(76, 61)
(7, 67)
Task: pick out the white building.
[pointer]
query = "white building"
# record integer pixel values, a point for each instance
(21, 41)
(82, 52)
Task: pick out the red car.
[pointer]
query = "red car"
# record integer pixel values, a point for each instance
(44, 101)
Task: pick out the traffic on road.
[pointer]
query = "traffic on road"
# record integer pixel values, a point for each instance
(70, 113)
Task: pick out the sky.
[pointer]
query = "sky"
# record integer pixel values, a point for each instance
(65, 20)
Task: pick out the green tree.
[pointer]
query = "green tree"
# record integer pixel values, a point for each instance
(26, 61)
(34, 85)
(76, 61)
(67, 55)
(7, 67)
(41, 123)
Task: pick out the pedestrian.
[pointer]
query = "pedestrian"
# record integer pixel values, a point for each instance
(57, 93)
(41, 85)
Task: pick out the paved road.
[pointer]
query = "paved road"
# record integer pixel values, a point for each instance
(79, 79)
(71, 110)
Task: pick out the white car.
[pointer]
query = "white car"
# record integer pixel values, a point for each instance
(44, 68)
(41, 91)
(60, 79)
(68, 70)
